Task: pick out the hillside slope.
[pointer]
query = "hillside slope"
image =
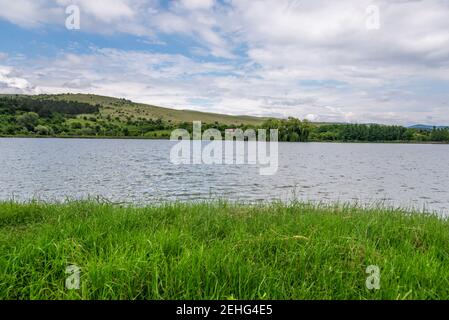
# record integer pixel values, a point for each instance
(123, 108)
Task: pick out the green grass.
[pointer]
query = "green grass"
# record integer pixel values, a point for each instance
(122, 108)
(220, 251)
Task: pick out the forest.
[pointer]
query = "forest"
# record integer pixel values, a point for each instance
(25, 116)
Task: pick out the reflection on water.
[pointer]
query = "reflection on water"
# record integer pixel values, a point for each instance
(139, 171)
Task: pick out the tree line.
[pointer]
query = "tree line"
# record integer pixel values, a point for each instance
(294, 130)
(26, 116)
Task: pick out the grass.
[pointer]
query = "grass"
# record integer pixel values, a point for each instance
(122, 108)
(220, 251)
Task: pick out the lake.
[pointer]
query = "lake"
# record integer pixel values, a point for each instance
(139, 172)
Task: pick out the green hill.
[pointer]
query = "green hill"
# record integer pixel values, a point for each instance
(84, 115)
(124, 109)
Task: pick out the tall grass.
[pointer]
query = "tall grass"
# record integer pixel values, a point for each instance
(220, 251)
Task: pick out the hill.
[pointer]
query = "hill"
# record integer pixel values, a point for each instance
(124, 109)
(426, 127)
(84, 115)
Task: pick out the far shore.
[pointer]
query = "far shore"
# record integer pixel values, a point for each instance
(164, 138)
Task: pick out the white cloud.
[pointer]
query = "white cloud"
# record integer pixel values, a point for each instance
(311, 59)
(106, 10)
(179, 82)
(28, 13)
(9, 81)
(197, 4)
(312, 117)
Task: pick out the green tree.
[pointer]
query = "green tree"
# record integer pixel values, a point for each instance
(76, 125)
(42, 130)
(439, 134)
(28, 120)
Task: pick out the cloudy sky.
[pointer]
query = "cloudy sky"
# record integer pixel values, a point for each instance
(324, 60)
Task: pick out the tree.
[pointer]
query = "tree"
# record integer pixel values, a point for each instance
(28, 120)
(291, 129)
(125, 131)
(42, 130)
(294, 137)
(76, 125)
(439, 134)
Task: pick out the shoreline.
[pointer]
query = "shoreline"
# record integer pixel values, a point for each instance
(168, 139)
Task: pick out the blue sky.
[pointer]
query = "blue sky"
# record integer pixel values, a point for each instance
(322, 60)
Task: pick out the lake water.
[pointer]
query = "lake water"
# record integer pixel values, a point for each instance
(139, 172)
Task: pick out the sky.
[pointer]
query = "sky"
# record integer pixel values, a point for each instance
(359, 61)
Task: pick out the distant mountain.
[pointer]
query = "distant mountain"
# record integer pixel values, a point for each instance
(426, 127)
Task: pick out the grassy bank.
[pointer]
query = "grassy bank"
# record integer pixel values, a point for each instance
(220, 251)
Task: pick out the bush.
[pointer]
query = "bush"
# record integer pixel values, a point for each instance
(42, 130)
(76, 125)
(28, 120)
